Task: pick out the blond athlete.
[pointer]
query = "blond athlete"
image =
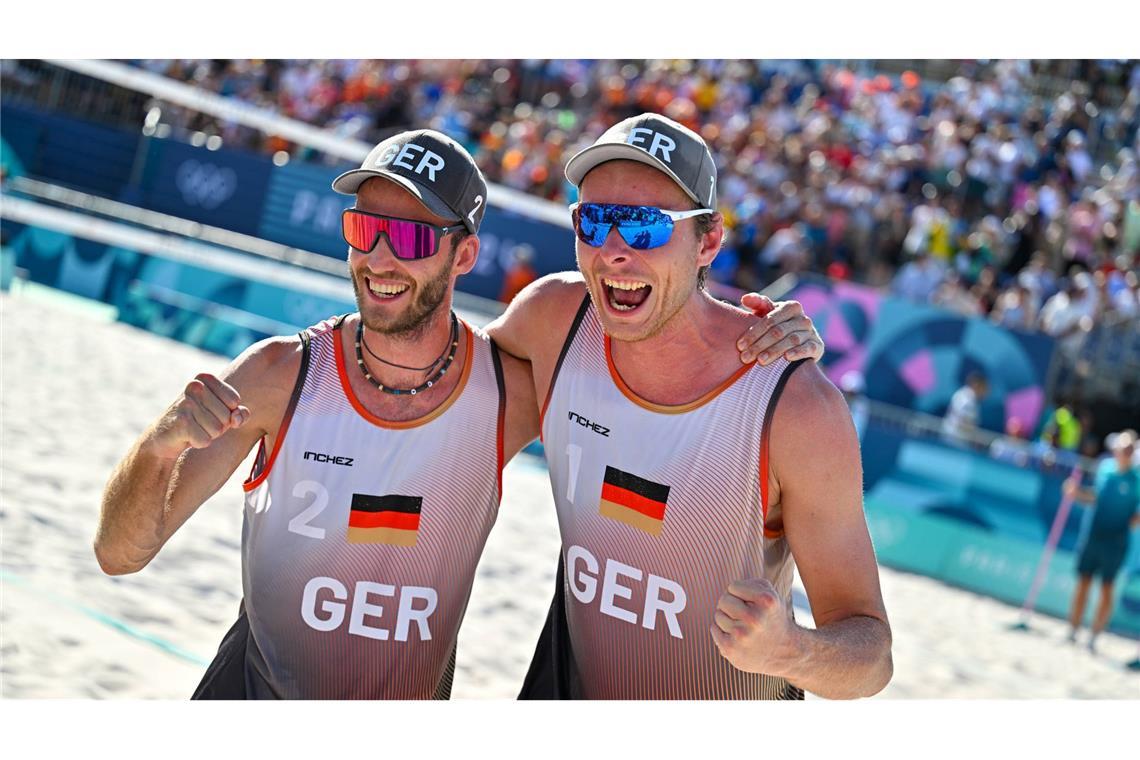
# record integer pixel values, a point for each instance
(687, 486)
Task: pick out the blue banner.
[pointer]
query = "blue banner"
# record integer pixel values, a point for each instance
(303, 211)
(79, 154)
(221, 188)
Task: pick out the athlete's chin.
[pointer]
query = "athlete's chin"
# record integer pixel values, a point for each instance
(628, 329)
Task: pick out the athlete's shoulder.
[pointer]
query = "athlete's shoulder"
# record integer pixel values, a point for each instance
(811, 403)
(540, 315)
(273, 362)
(325, 326)
(558, 291)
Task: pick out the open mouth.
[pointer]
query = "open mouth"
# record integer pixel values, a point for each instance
(624, 296)
(386, 291)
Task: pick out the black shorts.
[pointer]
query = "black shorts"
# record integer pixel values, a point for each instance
(1102, 556)
(225, 676)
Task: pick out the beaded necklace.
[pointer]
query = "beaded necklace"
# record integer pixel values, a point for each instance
(407, 391)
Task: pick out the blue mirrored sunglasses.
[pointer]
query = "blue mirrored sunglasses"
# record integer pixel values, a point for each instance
(641, 227)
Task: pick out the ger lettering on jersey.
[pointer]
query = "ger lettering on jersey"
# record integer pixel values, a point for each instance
(657, 517)
(361, 536)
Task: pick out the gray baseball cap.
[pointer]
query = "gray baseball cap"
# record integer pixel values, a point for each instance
(659, 142)
(432, 167)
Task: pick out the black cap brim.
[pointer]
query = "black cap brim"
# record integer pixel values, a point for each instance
(349, 184)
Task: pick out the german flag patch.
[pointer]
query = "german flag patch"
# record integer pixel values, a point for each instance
(635, 501)
(390, 519)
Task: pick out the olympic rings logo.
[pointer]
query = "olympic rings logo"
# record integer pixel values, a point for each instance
(205, 185)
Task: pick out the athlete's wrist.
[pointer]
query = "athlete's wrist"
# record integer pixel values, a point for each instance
(791, 651)
(159, 446)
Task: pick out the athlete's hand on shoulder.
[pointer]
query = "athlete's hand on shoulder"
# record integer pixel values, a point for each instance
(207, 408)
(752, 628)
(782, 330)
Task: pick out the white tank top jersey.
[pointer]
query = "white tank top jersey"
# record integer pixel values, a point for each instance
(361, 536)
(660, 508)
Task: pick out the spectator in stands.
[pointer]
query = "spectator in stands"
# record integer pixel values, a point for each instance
(1068, 315)
(1063, 429)
(1115, 498)
(1126, 297)
(1014, 309)
(951, 294)
(962, 416)
(519, 274)
(822, 168)
(918, 279)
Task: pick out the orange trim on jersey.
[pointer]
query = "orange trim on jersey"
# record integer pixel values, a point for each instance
(251, 482)
(764, 478)
(338, 350)
(257, 461)
(302, 375)
(634, 501)
(668, 408)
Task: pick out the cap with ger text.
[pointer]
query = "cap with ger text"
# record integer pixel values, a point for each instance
(659, 142)
(432, 167)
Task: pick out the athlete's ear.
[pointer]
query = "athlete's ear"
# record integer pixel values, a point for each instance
(466, 254)
(711, 241)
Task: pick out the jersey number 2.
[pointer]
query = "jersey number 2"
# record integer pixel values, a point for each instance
(300, 523)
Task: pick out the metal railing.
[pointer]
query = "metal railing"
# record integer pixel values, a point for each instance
(919, 425)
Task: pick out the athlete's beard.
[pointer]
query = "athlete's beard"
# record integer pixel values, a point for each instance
(415, 320)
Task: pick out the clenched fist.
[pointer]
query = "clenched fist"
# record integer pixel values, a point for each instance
(206, 409)
(752, 627)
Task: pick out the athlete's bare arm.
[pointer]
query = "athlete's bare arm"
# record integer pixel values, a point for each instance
(817, 478)
(193, 448)
(536, 323)
(521, 424)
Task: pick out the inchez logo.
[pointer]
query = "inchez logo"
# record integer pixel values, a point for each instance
(329, 458)
(600, 430)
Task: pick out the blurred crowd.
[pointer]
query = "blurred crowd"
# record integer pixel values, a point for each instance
(982, 193)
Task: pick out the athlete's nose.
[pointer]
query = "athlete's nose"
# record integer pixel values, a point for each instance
(614, 249)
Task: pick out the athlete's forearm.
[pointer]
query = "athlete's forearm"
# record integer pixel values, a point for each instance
(132, 518)
(847, 659)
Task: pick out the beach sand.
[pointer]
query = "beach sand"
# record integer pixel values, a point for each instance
(77, 388)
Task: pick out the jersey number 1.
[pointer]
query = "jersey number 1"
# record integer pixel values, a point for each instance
(574, 451)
